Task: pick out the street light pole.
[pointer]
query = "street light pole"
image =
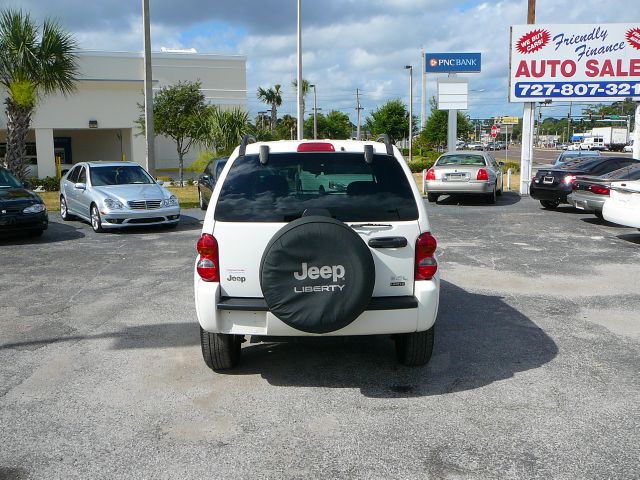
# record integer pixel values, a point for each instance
(410, 68)
(148, 91)
(315, 113)
(300, 86)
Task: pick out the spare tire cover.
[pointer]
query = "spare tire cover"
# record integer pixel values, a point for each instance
(317, 275)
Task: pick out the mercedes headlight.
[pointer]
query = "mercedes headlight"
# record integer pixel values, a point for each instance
(112, 204)
(172, 201)
(35, 208)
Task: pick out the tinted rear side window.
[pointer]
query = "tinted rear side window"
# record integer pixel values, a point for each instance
(342, 183)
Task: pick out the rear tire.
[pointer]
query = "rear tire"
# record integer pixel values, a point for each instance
(549, 204)
(220, 351)
(64, 210)
(415, 349)
(598, 214)
(432, 197)
(491, 197)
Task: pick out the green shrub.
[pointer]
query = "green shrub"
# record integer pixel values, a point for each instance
(48, 184)
(201, 161)
(514, 166)
(420, 163)
(189, 182)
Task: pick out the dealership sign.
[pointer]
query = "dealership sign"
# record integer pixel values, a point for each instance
(452, 62)
(590, 62)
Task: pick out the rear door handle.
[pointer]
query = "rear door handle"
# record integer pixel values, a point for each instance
(388, 242)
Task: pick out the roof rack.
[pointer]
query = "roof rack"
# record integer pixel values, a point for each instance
(388, 141)
(245, 141)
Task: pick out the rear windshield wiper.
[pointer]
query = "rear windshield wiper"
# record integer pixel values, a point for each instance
(356, 225)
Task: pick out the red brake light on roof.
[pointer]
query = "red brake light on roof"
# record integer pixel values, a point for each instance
(482, 174)
(208, 266)
(316, 147)
(426, 264)
(600, 190)
(431, 174)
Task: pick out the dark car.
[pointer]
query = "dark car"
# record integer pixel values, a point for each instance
(552, 186)
(590, 193)
(207, 180)
(20, 210)
(569, 155)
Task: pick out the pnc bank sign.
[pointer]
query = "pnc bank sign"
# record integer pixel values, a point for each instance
(452, 62)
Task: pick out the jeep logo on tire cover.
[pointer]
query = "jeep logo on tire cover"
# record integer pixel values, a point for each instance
(335, 272)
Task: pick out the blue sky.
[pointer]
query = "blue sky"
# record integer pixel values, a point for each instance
(348, 44)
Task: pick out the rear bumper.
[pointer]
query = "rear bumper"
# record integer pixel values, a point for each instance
(587, 202)
(250, 316)
(472, 187)
(553, 194)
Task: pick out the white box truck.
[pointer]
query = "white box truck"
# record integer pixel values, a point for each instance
(605, 138)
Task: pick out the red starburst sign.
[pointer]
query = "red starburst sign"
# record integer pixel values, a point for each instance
(533, 41)
(633, 37)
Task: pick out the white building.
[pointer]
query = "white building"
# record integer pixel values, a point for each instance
(97, 122)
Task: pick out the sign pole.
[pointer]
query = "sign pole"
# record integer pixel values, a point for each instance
(636, 134)
(452, 127)
(527, 124)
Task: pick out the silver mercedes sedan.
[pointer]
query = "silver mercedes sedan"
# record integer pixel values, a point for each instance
(116, 195)
(465, 172)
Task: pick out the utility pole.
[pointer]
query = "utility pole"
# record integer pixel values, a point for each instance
(315, 113)
(528, 117)
(410, 68)
(300, 86)
(148, 91)
(358, 109)
(423, 99)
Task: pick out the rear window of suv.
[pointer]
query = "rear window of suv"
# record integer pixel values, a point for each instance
(342, 183)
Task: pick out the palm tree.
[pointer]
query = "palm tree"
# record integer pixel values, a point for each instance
(305, 90)
(272, 97)
(34, 60)
(224, 129)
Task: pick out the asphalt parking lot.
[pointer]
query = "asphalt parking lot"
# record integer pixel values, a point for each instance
(534, 373)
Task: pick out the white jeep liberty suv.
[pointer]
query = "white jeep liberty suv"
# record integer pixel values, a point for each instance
(306, 238)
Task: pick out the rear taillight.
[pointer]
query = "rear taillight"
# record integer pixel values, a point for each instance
(426, 265)
(482, 174)
(208, 264)
(599, 190)
(569, 179)
(316, 147)
(431, 174)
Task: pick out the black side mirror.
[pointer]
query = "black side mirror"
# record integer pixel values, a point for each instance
(26, 185)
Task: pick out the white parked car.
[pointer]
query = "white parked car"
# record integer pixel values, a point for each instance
(628, 148)
(623, 205)
(310, 238)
